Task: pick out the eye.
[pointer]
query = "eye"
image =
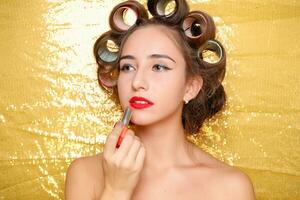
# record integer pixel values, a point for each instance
(125, 67)
(160, 67)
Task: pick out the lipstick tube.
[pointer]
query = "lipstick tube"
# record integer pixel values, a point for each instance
(125, 122)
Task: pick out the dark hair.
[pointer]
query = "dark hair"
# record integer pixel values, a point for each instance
(211, 98)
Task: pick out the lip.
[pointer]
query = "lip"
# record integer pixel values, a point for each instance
(140, 106)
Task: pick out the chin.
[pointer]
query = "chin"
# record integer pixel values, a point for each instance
(141, 120)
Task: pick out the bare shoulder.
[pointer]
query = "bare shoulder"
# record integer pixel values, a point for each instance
(234, 184)
(83, 176)
(228, 182)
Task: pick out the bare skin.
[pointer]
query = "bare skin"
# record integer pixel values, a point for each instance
(156, 161)
(207, 179)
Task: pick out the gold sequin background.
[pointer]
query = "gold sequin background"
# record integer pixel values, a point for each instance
(53, 111)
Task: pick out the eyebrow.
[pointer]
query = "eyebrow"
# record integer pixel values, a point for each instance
(150, 56)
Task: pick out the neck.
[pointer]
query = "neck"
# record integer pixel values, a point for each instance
(166, 144)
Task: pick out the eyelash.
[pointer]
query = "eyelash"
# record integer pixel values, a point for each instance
(122, 68)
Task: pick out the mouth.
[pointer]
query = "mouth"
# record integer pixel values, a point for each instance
(140, 102)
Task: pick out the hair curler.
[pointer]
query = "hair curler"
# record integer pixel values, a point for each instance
(216, 68)
(198, 27)
(106, 51)
(216, 47)
(116, 18)
(158, 9)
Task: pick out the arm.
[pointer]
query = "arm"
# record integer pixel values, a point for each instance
(118, 170)
(78, 184)
(111, 195)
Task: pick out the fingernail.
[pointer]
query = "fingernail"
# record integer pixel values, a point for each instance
(116, 123)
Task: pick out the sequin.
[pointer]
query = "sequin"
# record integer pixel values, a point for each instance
(53, 111)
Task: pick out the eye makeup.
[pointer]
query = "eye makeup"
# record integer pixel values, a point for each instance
(162, 66)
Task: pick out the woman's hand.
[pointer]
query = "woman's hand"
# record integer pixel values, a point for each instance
(122, 166)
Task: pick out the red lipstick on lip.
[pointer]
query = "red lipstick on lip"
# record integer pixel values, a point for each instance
(137, 105)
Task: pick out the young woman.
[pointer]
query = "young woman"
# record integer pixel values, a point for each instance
(160, 73)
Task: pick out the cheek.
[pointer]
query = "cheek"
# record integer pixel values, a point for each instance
(170, 88)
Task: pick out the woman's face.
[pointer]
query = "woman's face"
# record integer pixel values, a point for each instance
(152, 66)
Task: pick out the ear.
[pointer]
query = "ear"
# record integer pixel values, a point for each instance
(193, 87)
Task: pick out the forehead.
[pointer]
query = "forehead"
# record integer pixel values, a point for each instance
(152, 39)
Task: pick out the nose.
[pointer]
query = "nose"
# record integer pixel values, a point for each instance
(139, 81)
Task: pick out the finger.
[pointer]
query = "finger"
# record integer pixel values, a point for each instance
(133, 151)
(122, 151)
(121, 137)
(140, 157)
(111, 140)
